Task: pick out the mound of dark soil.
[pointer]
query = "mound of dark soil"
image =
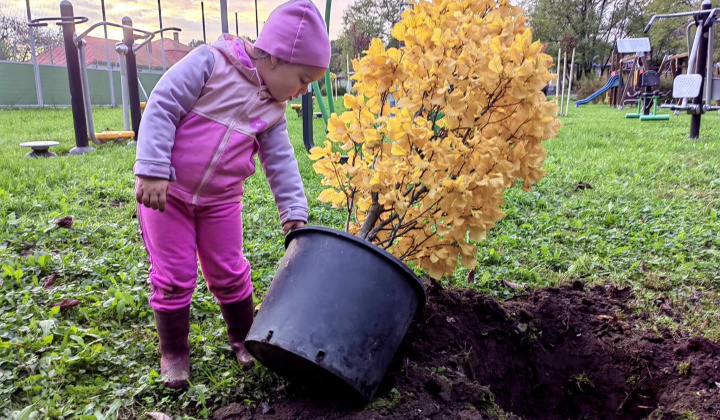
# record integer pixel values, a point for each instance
(556, 354)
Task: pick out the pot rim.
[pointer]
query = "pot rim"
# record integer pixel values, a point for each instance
(416, 283)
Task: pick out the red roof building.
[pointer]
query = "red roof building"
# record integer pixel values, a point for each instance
(149, 56)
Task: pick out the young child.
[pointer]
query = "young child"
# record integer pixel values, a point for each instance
(205, 121)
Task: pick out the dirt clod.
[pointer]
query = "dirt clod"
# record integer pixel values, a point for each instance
(65, 222)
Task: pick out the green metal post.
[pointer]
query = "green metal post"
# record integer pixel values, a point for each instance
(638, 113)
(323, 109)
(328, 84)
(316, 85)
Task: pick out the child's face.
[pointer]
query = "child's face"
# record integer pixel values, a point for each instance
(288, 80)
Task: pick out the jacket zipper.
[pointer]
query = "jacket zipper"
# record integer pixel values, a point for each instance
(220, 149)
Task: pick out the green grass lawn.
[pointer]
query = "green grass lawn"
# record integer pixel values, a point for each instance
(649, 220)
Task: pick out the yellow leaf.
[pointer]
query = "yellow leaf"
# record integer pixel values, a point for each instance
(468, 261)
(394, 54)
(398, 32)
(350, 101)
(338, 198)
(377, 48)
(322, 167)
(477, 234)
(336, 126)
(327, 195)
(525, 70)
(317, 153)
(397, 150)
(495, 45)
(436, 271)
(496, 65)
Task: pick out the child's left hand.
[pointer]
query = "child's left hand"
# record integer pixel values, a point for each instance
(292, 225)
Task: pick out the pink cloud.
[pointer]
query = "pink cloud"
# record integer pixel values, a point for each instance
(184, 14)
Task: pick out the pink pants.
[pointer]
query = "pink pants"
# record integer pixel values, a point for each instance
(176, 238)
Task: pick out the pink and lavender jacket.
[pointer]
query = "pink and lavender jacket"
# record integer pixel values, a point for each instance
(204, 122)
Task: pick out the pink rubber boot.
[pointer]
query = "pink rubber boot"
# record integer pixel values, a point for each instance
(173, 328)
(238, 318)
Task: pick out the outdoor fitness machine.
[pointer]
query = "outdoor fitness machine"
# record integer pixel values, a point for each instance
(77, 75)
(307, 118)
(698, 88)
(650, 81)
(129, 81)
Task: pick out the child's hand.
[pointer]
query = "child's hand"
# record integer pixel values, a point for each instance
(152, 192)
(292, 225)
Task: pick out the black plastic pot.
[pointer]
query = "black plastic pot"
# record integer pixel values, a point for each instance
(335, 313)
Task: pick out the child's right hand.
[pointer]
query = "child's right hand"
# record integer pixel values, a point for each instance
(152, 192)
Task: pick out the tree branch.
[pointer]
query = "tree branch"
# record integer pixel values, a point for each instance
(371, 218)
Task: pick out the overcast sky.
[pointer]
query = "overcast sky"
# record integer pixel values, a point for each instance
(185, 14)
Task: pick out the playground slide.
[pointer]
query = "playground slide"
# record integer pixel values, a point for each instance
(613, 82)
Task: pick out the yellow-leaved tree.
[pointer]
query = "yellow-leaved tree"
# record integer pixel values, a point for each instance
(425, 175)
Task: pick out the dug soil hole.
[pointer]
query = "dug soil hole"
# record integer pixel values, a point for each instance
(554, 354)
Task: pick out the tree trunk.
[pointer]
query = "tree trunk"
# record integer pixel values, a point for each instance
(371, 219)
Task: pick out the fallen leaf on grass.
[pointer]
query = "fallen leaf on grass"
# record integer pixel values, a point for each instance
(664, 303)
(65, 304)
(49, 281)
(65, 222)
(514, 286)
(156, 415)
(583, 186)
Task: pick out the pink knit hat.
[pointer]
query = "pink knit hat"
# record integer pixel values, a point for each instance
(296, 32)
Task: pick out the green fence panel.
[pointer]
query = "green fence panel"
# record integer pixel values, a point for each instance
(17, 85)
(55, 88)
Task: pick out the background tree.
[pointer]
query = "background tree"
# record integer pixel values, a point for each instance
(196, 43)
(596, 25)
(364, 20)
(14, 31)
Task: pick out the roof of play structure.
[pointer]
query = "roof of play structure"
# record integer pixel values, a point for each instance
(633, 45)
